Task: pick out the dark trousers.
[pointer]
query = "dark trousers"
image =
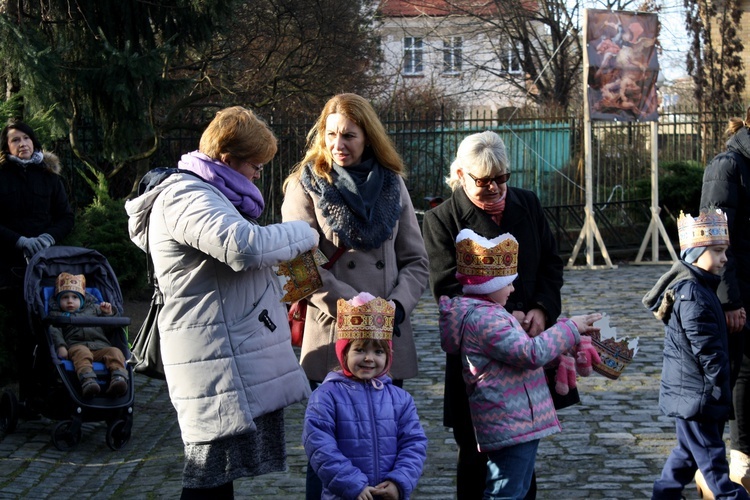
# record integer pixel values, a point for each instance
(223, 492)
(739, 427)
(700, 445)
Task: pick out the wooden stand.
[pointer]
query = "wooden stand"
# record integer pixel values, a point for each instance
(655, 227)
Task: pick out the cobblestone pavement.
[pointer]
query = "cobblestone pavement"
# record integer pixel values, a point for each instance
(613, 445)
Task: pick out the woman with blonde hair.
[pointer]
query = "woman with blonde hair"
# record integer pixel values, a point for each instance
(225, 338)
(349, 187)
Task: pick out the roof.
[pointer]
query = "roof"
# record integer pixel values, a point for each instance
(414, 8)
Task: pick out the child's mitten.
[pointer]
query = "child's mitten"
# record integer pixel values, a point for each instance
(565, 378)
(586, 356)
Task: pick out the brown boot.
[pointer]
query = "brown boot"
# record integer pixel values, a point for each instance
(118, 386)
(89, 385)
(739, 468)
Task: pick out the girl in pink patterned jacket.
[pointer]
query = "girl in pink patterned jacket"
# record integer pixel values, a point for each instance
(511, 407)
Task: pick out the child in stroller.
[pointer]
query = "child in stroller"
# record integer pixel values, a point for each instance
(55, 390)
(85, 344)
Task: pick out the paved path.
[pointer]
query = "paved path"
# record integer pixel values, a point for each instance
(613, 444)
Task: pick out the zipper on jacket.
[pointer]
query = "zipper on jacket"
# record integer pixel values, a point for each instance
(376, 441)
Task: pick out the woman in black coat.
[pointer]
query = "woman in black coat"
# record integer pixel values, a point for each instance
(482, 201)
(34, 214)
(34, 208)
(726, 185)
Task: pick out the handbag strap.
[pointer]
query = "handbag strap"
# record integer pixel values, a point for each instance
(339, 252)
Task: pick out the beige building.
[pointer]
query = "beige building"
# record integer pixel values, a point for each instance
(431, 44)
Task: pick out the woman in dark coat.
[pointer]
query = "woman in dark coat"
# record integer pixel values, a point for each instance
(34, 208)
(483, 202)
(726, 185)
(34, 214)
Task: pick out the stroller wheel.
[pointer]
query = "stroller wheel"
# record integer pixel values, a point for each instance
(8, 412)
(118, 434)
(65, 435)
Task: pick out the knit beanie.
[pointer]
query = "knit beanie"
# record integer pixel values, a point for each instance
(75, 283)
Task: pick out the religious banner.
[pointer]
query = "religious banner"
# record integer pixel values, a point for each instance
(622, 65)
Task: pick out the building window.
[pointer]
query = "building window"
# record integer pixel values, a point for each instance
(452, 55)
(412, 56)
(509, 61)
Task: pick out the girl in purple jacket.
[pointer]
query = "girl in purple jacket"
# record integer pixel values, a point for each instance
(362, 434)
(511, 406)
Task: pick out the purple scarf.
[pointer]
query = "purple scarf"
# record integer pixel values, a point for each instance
(238, 189)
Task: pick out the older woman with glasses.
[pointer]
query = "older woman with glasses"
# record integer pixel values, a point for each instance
(483, 201)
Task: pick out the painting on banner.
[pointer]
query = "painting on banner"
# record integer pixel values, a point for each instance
(622, 65)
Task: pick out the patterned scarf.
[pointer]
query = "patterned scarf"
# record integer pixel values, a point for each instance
(357, 229)
(238, 189)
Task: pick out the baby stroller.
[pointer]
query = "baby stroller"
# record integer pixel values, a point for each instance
(54, 390)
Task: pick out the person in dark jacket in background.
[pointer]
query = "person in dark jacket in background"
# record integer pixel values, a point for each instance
(695, 386)
(34, 208)
(482, 201)
(34, 214)
(726, 185)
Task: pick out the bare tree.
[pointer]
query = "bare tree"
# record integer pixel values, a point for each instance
(132, 71)
(714, 61)
(516, 48)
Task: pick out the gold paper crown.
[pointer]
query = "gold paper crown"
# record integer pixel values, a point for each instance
(67, 282)
(476, 260)
(709, 228)
(373, 320)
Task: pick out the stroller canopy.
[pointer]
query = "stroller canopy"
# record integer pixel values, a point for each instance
(44, 267)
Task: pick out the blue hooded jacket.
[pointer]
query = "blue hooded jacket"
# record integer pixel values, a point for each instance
(359, 434)
(695, 375)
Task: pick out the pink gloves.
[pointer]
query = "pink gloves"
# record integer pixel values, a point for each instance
(586, 356)
(565, 378)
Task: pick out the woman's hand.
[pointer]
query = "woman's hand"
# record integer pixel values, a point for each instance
(735, 320)
(585, 322)
(532, 322)
(62, 352)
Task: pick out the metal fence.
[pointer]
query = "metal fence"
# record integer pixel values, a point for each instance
(545, 152)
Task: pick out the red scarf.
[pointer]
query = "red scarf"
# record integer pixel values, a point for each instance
(495, 209)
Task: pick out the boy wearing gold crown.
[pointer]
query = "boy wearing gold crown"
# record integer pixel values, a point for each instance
(361, 433)
(695, 385)
(511, 406)
(85, 344)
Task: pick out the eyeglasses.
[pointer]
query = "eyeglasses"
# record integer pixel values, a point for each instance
(258, 167)
(486, 181)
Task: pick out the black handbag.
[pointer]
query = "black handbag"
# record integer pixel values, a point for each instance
(146, 350)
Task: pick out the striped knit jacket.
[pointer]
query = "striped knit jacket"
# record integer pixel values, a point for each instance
(503, 369)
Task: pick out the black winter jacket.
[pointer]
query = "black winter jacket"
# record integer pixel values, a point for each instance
(726, 184)
(540, 268)
(32, 201)
(695, 374)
